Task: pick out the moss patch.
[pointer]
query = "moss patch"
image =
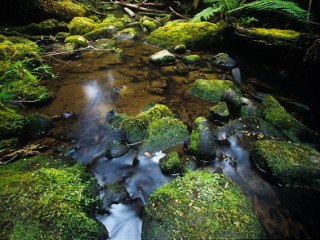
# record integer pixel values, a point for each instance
(135, 128)
(192, 35)
(200, 205)
(290, 164)
(78, 40)
(81, 25)
(43, 198)
(212, 90)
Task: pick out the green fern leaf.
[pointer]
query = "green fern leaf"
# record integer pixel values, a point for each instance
(205, 14)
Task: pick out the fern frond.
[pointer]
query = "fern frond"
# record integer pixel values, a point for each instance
(205, 14)
(289, 9)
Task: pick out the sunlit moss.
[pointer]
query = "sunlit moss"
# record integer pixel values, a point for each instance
(81, 25)
(200, 205)
(44, 198)
(135, 128)
(78, 40)
(193, 35)
(290, 164)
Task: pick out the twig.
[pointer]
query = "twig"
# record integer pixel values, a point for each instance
(134, 6)
(178, 14)
(10, 160)
(130, 12)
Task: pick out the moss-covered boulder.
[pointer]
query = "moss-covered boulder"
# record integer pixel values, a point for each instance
(44, 198)
(212, 90)
(81, 25)
(201, 143)
(98, 33)
(11, 123)
(126, 34)
(171, 163)
(219, 113)
(135, 128)
(200, 205)
(193, 35)
(250, 125)
(290, 164)
(77, 40)
(192, 59)
(148, 24)
(164, 133)
(293, 129)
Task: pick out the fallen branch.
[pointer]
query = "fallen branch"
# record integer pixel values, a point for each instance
(137, 7)
(178, 14)
(130, 12)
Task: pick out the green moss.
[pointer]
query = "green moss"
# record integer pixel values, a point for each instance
(111, 20)
(9, 143)
(171, 163)
(193, 35)
(38, 125)
(11, 123)
(164, 133)
(276, 34)
(294, 130)
(49, 26)
(136, 127)
(70, 9)
(101, 32)
(290, 164)
(219, 110)
(200, 205)
(147, 23)
(192, 59)
(81, 25)
(49, 198)
(78, 40)
(212, 90)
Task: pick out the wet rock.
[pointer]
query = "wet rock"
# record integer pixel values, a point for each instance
(223, 60)
(192, 60)
(181, 68)
(126, 34)
(114, 193)
(38, 125)
(113, 119)
(249, 125)
(290, 164)
(236, 75)
(293, 129)
(250, 110)
(81, 25)
(78, 40)
(212, 90)
(171, 163)
(68, 115)
(233, 100)
(162, 58)
(180, 49)
(99, 33)
(104, 43)
(219, 113)
(202, 144)
(116, 149)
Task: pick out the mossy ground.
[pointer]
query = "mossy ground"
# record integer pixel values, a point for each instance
(290, 164)
(45, 198)
(200, 205)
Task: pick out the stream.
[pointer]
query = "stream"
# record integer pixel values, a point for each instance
(99, 81)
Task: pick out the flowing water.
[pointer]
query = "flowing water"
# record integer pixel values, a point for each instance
(98, 81)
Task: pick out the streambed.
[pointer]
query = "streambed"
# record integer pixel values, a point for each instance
(98, 81)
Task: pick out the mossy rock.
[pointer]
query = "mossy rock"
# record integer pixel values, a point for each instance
(81, 26)
(38, 125)
(290, 164)
(192, 59)
(164, 133)
(135, 128)
(98, 33)
(193, 35)
(202, 144)
(200, 205)
(171, 163)
(212, 90)
(148, 23)
(49, 26)
(219, 113)
(293, 129)
(45, 198)
(11, 123)
(78, 40)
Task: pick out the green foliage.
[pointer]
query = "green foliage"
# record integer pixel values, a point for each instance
(247, 20)
(43, 198)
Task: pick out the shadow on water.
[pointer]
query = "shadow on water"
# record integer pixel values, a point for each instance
(100, 81)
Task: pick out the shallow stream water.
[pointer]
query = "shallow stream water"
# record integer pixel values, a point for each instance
(98, 81)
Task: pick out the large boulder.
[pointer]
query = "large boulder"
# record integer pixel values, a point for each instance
(290, 164)
(200, 205)
(193, 35)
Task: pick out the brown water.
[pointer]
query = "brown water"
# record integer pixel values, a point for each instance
(101, 80)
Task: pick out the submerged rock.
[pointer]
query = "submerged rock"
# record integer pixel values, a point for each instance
(223, 60)
(193, 35)
(290, 164)
(200, 205)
